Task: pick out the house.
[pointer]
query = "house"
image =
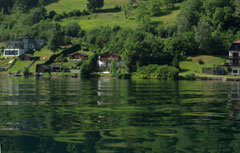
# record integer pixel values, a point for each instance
(105, 60)
(27, 57)
(78, 57)
(43, 68)
(50, 68)
(56, 68)
(234, 58)
(21, 46)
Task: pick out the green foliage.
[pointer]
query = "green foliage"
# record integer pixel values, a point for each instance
(72, 29)
(113, 67)
(85, 69)
(89, 66)
(26, 72)
(190, 76)
(175, 62)
(157, 72)
(93, 4)
(154, 7)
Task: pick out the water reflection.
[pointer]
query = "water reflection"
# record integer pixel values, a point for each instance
(110, 115)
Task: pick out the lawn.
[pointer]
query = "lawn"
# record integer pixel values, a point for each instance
(68, 5)
(108, 18)
(191, 65)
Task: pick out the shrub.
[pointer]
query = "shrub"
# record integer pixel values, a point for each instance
(26, 72)
(200, 61)
(163, 72)
(190, 76)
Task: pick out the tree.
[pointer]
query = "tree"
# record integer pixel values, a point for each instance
(92, 5)
(72, 29)
(154, 7)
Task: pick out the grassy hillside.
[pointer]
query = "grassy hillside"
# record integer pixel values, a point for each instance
(68, 5)
(107, 17)
(191, 65)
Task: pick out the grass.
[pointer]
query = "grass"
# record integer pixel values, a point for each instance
(191, 65)
(107, 18)
(20, 65)
(68, 5)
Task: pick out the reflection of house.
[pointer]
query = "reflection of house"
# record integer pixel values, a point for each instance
(234, 58)
(21, 46)
(105, 60)
(78, 57)
(27, 57)
(233, 100)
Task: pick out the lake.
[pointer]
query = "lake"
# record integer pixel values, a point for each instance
(68, 115)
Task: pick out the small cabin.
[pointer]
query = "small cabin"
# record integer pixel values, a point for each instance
(78, 57)
(27, 57)
(43, 68)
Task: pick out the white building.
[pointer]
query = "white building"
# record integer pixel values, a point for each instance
(21, 46)
(105, 60)
(234, 58)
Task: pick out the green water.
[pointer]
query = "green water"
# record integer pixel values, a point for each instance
(66, 115)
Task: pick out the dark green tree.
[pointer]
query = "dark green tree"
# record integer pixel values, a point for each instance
(92, 5)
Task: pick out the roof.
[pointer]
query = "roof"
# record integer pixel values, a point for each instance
(28, 55)
(237, 42)
(83, 54)
(109, 54)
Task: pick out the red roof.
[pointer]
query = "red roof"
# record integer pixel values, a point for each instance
(237, 42)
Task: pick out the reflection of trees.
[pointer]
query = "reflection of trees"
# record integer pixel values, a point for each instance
(135, 116)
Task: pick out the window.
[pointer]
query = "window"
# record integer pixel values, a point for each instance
(11, 52)
(235, 71)
(235, 54)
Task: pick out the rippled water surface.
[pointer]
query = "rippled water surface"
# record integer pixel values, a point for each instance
(65, 115)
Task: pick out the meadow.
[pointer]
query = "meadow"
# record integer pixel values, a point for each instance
(108, 15)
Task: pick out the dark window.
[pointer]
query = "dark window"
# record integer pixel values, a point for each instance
(235, 54)
(235, 61)
(235, 71)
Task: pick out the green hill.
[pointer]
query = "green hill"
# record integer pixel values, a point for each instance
(107, 17)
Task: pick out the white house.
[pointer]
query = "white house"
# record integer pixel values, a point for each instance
(234, 58)
(21, 46)
(105, 60)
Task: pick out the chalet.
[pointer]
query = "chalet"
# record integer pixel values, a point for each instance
(27, 57)
(78, 57)
(21, 46)
(105, 60)
(43, 68)
(234, 58)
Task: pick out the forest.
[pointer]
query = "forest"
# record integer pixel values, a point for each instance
(203, 27)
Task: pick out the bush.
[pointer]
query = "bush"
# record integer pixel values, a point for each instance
(200, 61)
(157, 72)
(26, 72)
(190, 76)
(85, 69)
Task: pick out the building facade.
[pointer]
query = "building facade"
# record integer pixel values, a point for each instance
(21, 46)
(234, 58)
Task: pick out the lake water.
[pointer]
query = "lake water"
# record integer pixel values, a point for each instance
(66, 115)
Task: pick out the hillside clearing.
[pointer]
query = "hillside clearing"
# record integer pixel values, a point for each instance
(191, 65)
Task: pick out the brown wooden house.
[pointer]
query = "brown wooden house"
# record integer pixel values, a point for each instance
(78, 56)
(27, 57)
(43, 68)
